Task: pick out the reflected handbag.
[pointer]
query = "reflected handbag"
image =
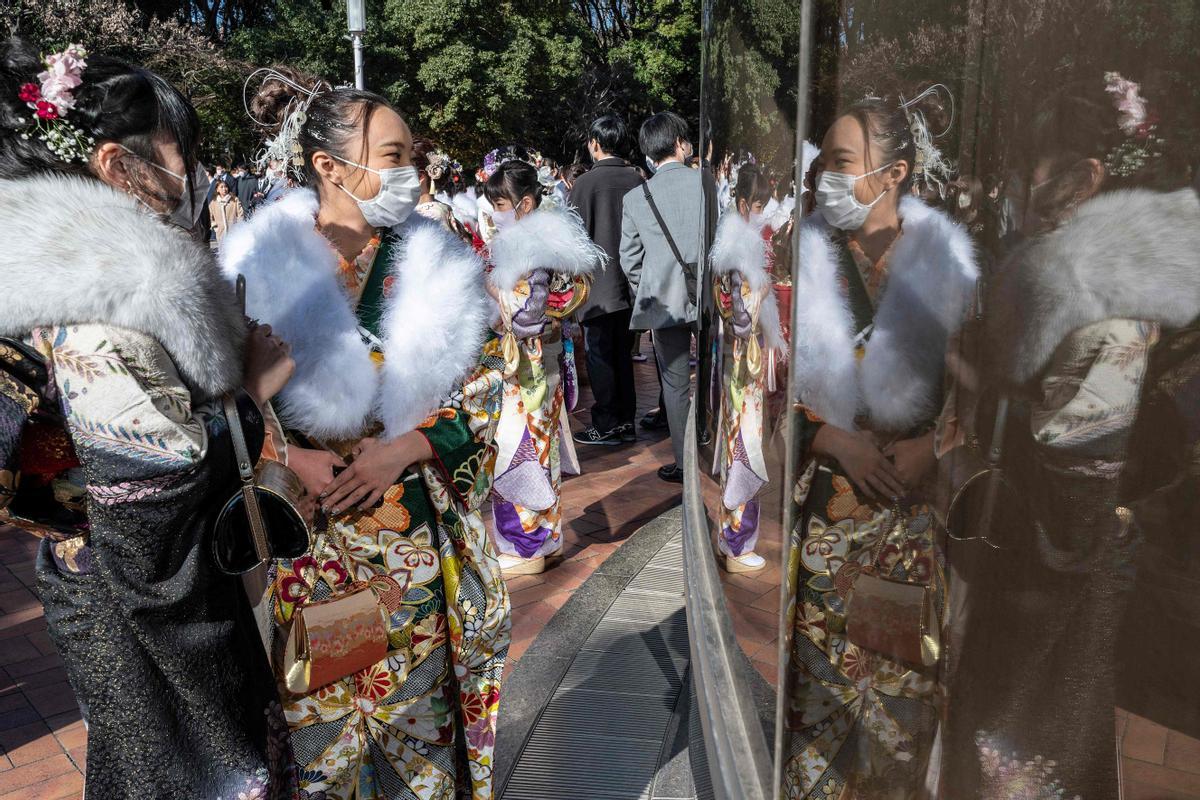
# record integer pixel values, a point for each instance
(340, 635)
(262, 520)
(894, 617)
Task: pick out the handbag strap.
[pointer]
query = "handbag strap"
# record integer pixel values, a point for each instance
(258, 525)
(688, 271)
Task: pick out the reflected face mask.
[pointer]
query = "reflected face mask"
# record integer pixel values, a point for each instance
(837, 203)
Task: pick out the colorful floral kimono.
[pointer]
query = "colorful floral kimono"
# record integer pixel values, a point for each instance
(384, 345)
(542, 269)
(857, 722)
(140, 334)
(752, 336)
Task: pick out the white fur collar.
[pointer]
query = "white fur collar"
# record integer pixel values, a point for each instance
(432, 328)
(929, 291)
(77, 251)
(739, 246)
(551, 238)
(1129, 254)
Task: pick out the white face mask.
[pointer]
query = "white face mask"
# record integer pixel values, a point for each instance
(185, 214)
(502, 219)
(399, 191)
(758, 220)
(837, 203)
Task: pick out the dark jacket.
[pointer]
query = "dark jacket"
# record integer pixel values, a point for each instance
(597, 196)
(245, 188)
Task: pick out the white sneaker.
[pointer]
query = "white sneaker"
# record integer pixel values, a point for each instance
(746, 562)
(512, 566)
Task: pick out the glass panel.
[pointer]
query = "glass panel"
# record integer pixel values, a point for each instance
(984, 444)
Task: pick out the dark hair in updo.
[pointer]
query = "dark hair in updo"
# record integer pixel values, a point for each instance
(333, 117)
(753, 185)
(117, 102)
(886, 127)
(514, 180)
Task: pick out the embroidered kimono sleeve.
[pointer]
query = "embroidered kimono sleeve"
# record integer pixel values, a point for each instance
(743, 304)
(129, 413)
(461, 458)
(528, 302)
(1090, 393)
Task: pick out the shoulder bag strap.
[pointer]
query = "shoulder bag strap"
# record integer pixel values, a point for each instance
(688, 270)
(258, 526)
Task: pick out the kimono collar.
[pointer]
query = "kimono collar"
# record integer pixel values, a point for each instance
(551, 238)
(432, 328)
(929, 290)
(77, 251)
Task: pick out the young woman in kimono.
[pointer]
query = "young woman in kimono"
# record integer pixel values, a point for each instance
(884, 280)
(750, 320)
(123, 339)
(1074, 325)
(386, 316)
(542, 261)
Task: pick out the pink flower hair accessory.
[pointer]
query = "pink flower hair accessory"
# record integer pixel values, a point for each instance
(52, 98)
(1137, 123)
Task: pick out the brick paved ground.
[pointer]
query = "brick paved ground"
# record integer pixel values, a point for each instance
(42, 740)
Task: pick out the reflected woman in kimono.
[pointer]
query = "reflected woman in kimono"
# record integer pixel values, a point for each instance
(883, 282)
(542, 261)
(389, 421)
(752, 338)
(1084, 322)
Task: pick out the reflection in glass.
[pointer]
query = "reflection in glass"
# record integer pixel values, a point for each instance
(990, 292)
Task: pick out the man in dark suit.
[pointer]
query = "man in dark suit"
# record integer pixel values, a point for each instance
(597, 196)
(245, 186)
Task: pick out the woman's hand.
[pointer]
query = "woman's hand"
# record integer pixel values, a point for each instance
(914, 458)
(269, 365)
(865, 464)
(376, 468)
(314, 468)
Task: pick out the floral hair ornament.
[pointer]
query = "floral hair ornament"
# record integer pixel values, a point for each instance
(440, 165)
(284, 147)
(1137, 123)
(52, 98)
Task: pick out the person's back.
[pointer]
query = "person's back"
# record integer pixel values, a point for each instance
(662, 223)
(598, 195)
(661, 294)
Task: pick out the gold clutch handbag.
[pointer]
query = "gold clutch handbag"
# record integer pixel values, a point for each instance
(335, 637)
(894, 617)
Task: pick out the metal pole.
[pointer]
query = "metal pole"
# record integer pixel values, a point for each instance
(358, 61)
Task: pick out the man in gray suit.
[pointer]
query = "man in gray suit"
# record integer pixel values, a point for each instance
(661, 228)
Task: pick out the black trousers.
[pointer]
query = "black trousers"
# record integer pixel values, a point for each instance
(610, 369)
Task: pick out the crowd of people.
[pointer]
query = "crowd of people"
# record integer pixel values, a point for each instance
(382, 351)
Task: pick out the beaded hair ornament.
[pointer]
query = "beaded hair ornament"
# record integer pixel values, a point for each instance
(932, 169)
(52, 98)
(284, 147)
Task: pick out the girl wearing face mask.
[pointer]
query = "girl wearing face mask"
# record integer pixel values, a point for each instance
(542, 263)
(389, 422)
(884, 280)
(121, 336)
(750, 321)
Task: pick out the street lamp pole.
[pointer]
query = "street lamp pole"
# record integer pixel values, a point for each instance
(356, 22)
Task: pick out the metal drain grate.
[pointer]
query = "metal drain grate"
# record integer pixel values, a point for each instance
(602, 734)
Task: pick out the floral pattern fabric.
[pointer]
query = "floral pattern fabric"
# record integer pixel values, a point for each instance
(533, 437)
(396, 729)
(740, 459)
(161, 649)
